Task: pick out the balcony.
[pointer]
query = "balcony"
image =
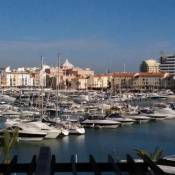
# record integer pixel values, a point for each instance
(45, 164)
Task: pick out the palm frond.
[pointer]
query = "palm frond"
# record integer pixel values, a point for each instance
(5, 147)
(9, 140)
(13, 139)
(156, 155)
(142, 152)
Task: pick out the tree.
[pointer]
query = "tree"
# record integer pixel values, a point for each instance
(9, 140)
(155, 156)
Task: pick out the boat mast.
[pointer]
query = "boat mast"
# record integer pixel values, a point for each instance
(57, 84)
(42, 89)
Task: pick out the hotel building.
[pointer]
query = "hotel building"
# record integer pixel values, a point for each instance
(151, 66)
(167, 64)
(148, 81)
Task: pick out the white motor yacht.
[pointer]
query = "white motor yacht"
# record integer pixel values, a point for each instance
(101, 123)
(140, 118)
(26, 132)
(76, 130)
(157, 116)
(74, 127)
(7, 98)
(52, 132)
(167, 111)
(10, 122)
(64, 132)
(10, 113)
(122, 119)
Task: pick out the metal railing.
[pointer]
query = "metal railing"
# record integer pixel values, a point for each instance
(45, 164)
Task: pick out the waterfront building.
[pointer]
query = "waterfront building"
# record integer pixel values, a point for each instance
(80, 83)
(100, 81)
(16, 78)
(151, 66)
(122, 80)
(38, 74)
(23, 77)
(39, 78)
(119, 81)
(148, 81)
(67, 65)
(69, 75)
(167, 64)
(168, 82)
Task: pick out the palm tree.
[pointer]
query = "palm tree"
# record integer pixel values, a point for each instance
(9, 140)
(155, 156)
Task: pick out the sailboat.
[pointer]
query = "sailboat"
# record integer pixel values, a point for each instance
(56, 122)
(52, 132)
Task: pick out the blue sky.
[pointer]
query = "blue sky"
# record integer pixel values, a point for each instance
(101, 34)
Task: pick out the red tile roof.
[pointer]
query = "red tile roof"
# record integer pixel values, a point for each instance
(123, 74)
(147, 74)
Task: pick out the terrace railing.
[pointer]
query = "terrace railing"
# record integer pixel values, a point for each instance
(45, 164)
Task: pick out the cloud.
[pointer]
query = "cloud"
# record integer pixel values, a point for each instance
(99, 54)
(87, 51)
(73, 44)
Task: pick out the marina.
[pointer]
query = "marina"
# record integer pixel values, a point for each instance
(87, 87)
(98, 124)
(101, 142)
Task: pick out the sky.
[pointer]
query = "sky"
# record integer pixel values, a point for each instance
(100, 34)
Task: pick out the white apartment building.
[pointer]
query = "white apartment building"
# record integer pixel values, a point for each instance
(99, 81)
(15, 78)
(167, 64)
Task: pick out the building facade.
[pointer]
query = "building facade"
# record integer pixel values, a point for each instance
(68, 75)
(100, 81)
(16, 78)
(148, 81)
(122, 80)
(167, 64)
(22, 77)
(151, 66)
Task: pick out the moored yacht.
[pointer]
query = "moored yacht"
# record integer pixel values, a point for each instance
(74, 127)
(64, 132)
(122, 119)
(76, 130)
(10, 113)
(140, 118)
(157, 116)
(26, 132)
(167, 111)
(52, 132)
(100, 123)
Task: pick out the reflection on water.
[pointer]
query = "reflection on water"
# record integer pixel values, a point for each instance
(64, 147)
(80, 139)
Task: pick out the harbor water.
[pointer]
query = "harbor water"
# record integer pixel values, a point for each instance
(101, 142)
